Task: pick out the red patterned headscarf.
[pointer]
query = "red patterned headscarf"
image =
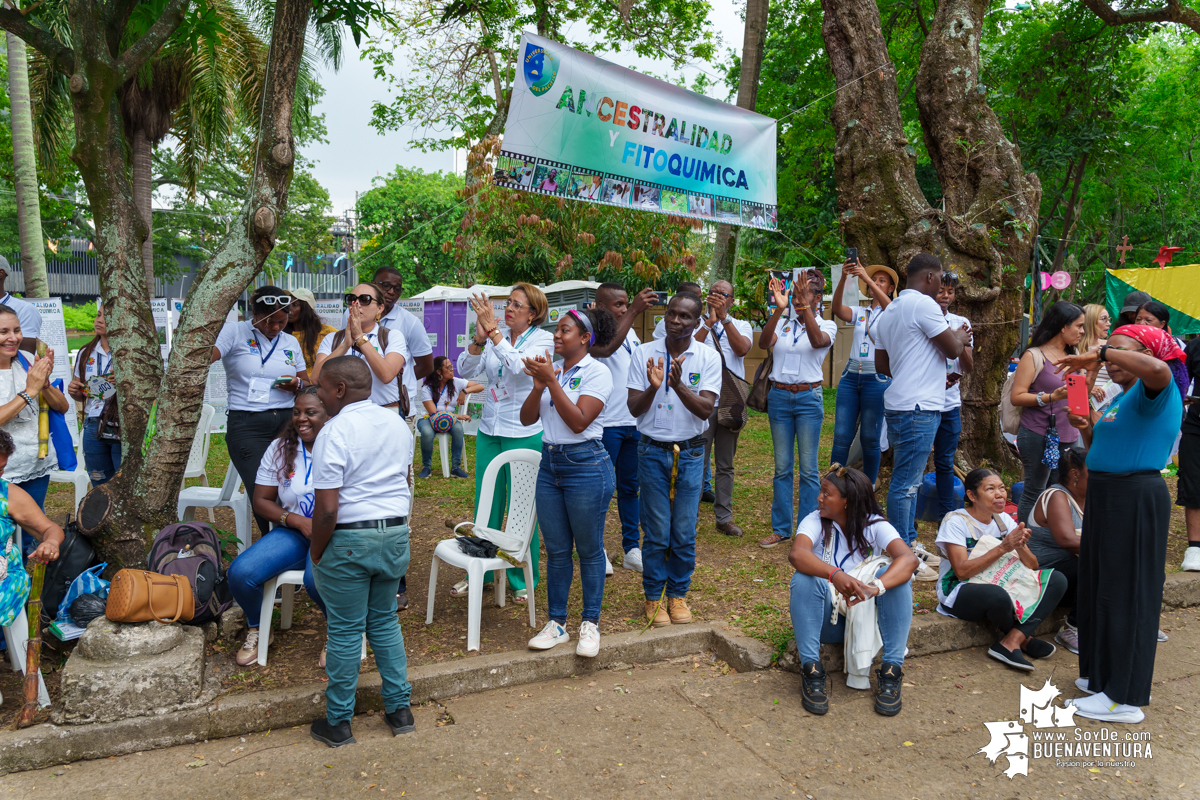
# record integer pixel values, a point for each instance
(1162, 346)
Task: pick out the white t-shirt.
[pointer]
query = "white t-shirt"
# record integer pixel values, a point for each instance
(717, 334)
(879, 534)
(863, 348)
(382, 394)
(954, 393)
(588, 377)
(295, 489)
(99, 377)
(501, 369)
(416, 339)
(249, 377)
(27, 315)
(667, 419)
(904, 330)
(365, 451)
(616, 410)
(447, 401)
(957, 529)
(796, 360)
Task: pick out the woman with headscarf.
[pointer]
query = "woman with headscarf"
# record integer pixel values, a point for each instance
(1123, 548)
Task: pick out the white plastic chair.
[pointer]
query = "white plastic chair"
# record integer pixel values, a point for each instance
(289, 580)
(515, 539)
(17, 636)
(444, 444)
(228, 495)
(79, 476)
(198, 456)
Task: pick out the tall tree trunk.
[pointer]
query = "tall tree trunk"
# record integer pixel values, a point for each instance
(985, 233)
(143, 152)
(1060, 253)
(29, 208)
(755, 36)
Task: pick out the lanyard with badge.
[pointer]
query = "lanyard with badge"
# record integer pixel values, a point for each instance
(864, 345)
(664, 410)
(791, 359)
(259, 390)
(499, 390)
(307, 464)
(565, 380)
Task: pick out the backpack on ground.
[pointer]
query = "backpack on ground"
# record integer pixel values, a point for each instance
(1010, 415)
(193, 550)
(75, 556)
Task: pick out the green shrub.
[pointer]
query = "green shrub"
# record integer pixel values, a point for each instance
(80, 318)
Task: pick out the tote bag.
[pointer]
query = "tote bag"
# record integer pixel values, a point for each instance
(1025, 586)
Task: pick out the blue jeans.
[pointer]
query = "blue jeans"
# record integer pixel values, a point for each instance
(795, 429)
(358, 577)
(574, 486)
(279, 550)
(666, 525)
(911, 435)
(859, 396)
(945, 445)
(37, 490)
(810, 607)
(102, 457)
(621, 442)
(427, 436)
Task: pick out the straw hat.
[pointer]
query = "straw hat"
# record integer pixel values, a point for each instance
(871, 271)
(305, 295)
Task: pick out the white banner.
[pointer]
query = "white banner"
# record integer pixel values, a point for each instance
(54, 334)
(330, 312)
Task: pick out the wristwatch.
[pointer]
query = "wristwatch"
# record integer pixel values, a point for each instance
(879, 585)
(359, 341)
(1102, 353)
(1040, 402)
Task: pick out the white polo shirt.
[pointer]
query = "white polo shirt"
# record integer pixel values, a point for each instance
(365, 451)
(294, 489)
(99, 377)
(616, 411)
(879, 534)
(904, 330)
(501, 369)
(717, 334)
(954, 393)
(416, 339)
(382, 394)
(863, 347)
(446, 400)
(27, 315)
(795, 359)
(667, 419)
(588, 377)
(253, 362)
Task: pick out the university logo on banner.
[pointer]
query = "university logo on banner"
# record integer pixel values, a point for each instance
(540, 69)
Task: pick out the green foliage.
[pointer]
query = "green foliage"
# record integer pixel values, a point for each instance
(81, 317)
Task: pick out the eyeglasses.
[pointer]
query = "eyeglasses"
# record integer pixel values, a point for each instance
(720, 294)
(514, 305)
(391, 286)
(281, 300)
(362, 299)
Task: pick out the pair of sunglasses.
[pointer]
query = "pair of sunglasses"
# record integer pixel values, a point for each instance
(361, 299)
(283, 301)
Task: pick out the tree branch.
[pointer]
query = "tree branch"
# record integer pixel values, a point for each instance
(60, 56)
(133, 58)
(1173, 11)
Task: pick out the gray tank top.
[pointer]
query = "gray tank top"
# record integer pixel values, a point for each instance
(1041, 540)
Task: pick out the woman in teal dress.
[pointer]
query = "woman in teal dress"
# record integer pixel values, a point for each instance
(19, 510)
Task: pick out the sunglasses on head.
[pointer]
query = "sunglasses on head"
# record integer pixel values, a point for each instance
(361, 299)
(281, 300)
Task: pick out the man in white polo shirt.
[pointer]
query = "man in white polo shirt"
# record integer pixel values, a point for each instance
(673, 386)
(912, 343)
(360, 545)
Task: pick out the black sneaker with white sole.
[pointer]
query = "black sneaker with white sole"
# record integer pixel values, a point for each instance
(332, 735)
(1013, 658)
(401, 721)
(813, 694)
(887, 700)
(1036, 648)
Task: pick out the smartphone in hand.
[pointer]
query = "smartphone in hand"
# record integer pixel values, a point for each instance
(1077, 395)
(663, 297)
(852, 254)
(284, 380)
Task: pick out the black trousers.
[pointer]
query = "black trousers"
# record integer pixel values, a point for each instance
(247, 437)
(977, 601)
(1068, 565)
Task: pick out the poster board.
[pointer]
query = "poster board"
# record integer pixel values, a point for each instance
(330, 312)
(498, 307)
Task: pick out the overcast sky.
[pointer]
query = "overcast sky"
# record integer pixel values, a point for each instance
(356, 153)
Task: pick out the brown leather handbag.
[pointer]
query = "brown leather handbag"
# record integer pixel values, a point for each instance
(140, 596)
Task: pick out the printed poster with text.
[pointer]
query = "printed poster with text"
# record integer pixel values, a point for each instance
(583, 128)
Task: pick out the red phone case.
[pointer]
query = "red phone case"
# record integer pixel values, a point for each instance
(1077, 395)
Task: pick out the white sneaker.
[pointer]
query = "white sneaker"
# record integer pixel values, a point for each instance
(607, 566)
(925, 573)
(929, 558)
(1162, 637)
(1082, 685)
(550, 636)
(633, 560)
(249, 653)
(589, 640)
(1191, 559)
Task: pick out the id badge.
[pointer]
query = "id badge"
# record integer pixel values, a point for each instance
(499, 391)
(864, 349)
(791, 364)
(260, 390)
(663, 413)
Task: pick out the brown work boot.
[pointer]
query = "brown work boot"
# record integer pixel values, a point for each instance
(678, 609)
(729, 529)
(656, 614)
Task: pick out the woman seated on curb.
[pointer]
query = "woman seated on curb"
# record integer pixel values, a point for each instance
(1055, 525)
(960, 531)
(443, 393)
(18, 508)
(847, 528)
(282, 493)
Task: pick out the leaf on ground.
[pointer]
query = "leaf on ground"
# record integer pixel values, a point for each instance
(908, 744)
(200, 762)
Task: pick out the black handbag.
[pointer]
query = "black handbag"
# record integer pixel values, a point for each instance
(762, 384)
(74, 556)
(731, 404)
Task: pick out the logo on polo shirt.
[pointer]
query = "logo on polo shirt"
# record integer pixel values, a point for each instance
(693, 379)
(290, 356)
(787, 328)
(252, 343)
(575, 382)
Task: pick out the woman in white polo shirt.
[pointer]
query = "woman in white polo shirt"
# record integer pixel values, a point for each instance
(497, 361)
(798, 340)
(93, 385)
(576, 479)
(384, 350)
(263, 367)
(442, 393)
